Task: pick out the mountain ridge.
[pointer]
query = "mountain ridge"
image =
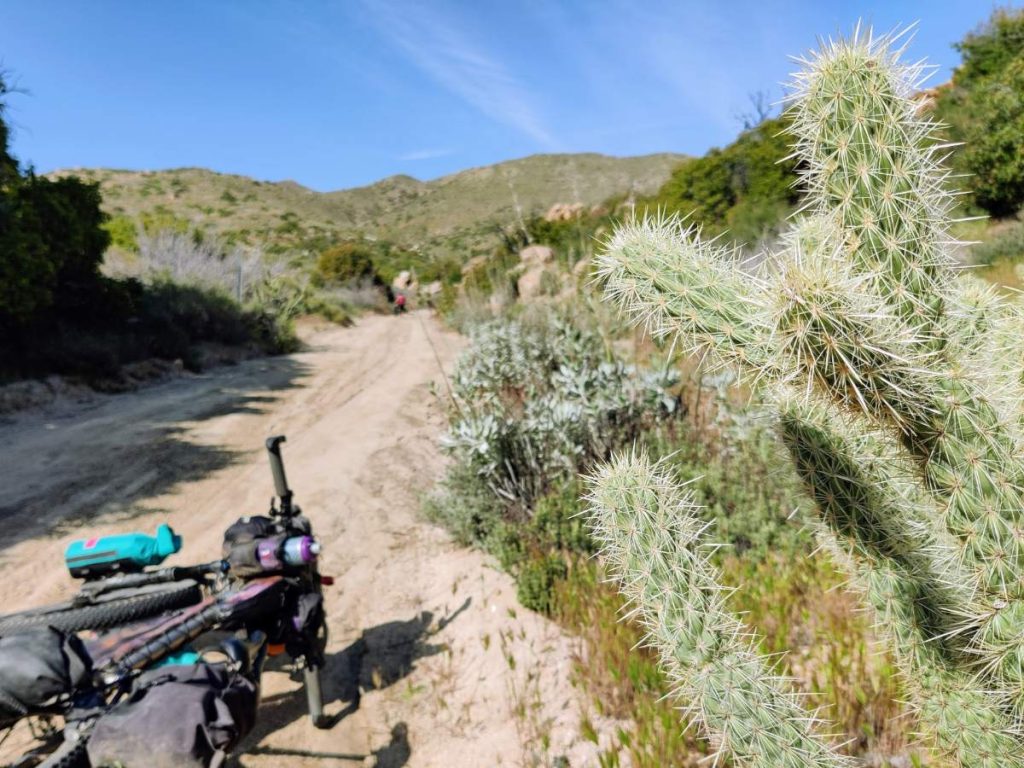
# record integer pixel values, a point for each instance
(460, 213)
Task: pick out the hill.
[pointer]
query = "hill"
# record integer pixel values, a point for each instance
(459, 214)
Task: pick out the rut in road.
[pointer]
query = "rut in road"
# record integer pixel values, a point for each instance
(432, 662)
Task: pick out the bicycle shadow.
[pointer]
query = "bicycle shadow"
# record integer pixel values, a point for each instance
(382, 656)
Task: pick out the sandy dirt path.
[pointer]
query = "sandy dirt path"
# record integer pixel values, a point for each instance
(431, 661)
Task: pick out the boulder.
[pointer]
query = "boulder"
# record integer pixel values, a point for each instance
(564, 211)
(473, 263)
(536, 255)
(403, 281)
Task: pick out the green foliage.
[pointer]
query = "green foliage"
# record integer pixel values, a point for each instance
(536, 580)
(995, 149)
(59, 314)
(8, 165)
(52, 245)
(160, 219)
(746, 189)
(123, 233)
(534, 404)
(982, 106)
(743, 487)
(987, 51)
(902, 419)
(1008, 245)
(346, 262)
(381, 262)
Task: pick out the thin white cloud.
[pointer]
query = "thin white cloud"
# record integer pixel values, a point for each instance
(434, 42)
(426, 154)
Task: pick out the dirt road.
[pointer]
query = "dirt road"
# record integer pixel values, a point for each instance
(431, 660)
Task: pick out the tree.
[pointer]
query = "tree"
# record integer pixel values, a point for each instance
(995, 141)
(51, 239)
(8, 165)
(988, 51)
(983, 107)
(747, 188)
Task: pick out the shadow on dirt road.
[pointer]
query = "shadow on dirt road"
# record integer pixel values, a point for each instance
(59, 469)
(382, 656)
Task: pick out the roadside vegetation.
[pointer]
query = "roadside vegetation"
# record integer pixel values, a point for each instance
(503, 494)
(83, 294)
(546, 392)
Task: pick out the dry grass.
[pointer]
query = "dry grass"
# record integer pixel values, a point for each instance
(798, 608)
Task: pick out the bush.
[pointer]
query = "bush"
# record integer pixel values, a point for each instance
(535, 582)
(1007, 246)
(52, 244)
(345, 263)
(982, 107)
(746, 189)
(536, 404)
(995, 151)
(123, 233)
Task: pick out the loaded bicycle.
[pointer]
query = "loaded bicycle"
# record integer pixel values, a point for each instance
(155, 665)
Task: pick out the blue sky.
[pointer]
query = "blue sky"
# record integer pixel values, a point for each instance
(341, 93)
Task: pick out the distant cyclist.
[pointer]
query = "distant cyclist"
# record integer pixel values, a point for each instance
(399, 303)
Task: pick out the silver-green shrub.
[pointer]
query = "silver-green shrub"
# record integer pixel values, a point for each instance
(536, 403)
(897, 386)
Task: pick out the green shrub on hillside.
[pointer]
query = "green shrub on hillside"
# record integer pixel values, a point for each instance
(983, 106)
(345, 263)
(745, 189)
(995, 140)
(1008, 245)
(123, 232)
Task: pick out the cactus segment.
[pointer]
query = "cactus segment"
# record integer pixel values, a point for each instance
(652, 542)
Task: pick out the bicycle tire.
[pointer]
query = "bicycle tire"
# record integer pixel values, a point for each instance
(70, 754)
(112, 612)
(67, 754)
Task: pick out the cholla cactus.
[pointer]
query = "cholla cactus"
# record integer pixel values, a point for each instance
(652, 540)
(902, 417)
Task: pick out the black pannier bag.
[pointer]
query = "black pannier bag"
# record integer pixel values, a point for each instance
(177, 716)
(38, 667)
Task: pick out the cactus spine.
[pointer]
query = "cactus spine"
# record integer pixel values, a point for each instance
(881, 351)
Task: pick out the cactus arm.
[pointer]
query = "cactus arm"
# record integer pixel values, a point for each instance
(967, 725)
(874, 527)
(873, 162)
(857, 479)
(651, 541)
(666, 277)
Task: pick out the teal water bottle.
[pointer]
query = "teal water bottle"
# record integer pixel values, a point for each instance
(100, 556)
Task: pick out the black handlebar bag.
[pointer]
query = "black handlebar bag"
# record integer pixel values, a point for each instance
(38, 667)
(180, 716)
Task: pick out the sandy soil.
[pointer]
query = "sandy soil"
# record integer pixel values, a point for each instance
(431, 660)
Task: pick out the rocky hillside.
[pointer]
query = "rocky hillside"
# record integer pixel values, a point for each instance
(457, 214)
